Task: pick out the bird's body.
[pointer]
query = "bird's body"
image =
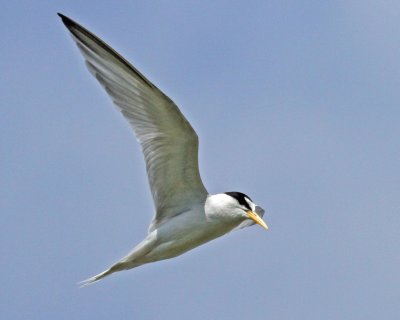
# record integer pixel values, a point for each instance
(186, 215)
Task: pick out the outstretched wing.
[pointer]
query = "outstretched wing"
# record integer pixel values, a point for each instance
(169, 143)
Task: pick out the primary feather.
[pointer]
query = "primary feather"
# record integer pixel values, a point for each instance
(169, 143)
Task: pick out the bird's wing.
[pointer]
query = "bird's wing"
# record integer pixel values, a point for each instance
(169, 143)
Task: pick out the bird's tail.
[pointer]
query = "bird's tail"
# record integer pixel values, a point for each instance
(132, 260)
(116, 267)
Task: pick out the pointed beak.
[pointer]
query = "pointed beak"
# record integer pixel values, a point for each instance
(256, 218)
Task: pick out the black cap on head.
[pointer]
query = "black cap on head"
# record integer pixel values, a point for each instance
(240, 197)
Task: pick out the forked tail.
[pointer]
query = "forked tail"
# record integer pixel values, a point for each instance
(116, 267)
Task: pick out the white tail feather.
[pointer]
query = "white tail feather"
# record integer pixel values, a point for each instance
(116, 267)
(97, 277)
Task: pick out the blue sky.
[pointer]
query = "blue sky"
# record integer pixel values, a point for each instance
(296, 103)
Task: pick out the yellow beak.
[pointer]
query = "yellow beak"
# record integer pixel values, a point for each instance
(256, 218)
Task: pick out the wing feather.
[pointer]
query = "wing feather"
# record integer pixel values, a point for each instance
(169, 143)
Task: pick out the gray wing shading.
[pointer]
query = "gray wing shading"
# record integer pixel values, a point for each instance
(169, 143)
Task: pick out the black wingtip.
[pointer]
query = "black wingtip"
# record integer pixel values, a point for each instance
(67, 21)
(62, 16)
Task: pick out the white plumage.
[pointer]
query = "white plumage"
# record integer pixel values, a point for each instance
(186, 215)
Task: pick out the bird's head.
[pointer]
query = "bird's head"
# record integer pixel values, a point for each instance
(236, 206)
(245, 207)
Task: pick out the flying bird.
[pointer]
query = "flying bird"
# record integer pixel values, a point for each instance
(186, 215)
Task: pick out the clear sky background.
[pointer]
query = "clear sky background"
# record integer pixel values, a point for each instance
(297, 104)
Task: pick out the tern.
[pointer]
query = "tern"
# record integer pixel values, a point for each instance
(186, 215)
